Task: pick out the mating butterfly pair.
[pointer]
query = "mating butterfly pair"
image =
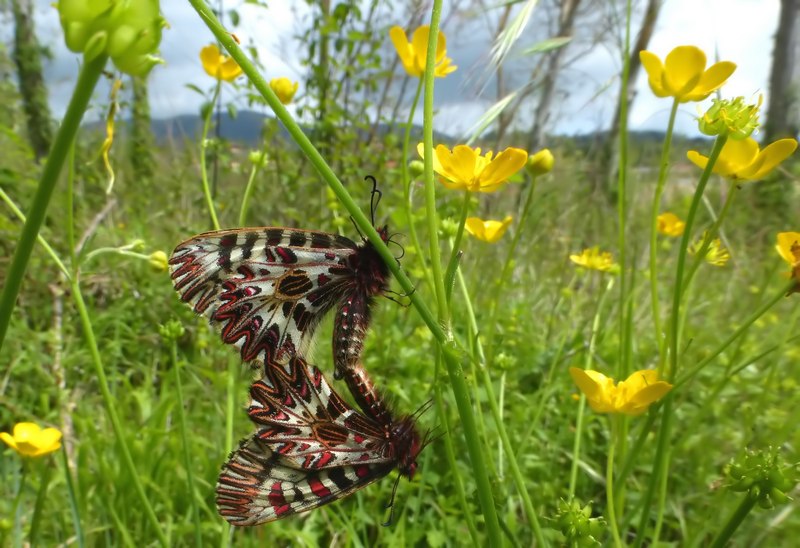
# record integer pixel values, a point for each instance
(266, 290)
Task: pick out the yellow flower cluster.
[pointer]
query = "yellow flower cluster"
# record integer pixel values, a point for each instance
(593, 259)
(670, 225)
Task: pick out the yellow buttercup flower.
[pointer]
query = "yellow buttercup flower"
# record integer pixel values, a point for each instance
(631, 397)
(465, 168)
(743, 160)
(284, 89)
(219, 66)
(789, 249)
(669, 224)
(716, 254)
(593, 259)
(683, 74)
(487, 231)
(413, 54)
(30, 440)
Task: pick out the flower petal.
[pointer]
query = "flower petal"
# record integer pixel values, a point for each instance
(697, 159)
(683, 68)
(475, 226)
(788, 242)
(460, 165)
(404, 49)
(736, 156)
(655, 70)
(506, 164)
(711, 80)
(419, 43)
(9, 440)
(772, 155)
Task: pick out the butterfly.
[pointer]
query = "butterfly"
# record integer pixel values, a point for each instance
(311, 447)
(267, 289)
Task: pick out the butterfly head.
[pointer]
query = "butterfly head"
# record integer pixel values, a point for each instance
(407, 445)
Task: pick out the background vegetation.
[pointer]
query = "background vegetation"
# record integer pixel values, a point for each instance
(542, 318)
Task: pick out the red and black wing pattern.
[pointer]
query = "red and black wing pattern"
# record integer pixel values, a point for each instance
(267, 289)
(310, 448)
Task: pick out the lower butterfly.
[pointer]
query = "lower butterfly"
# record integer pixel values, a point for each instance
(311, 447)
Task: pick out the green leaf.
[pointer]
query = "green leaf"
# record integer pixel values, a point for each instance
(548, 45)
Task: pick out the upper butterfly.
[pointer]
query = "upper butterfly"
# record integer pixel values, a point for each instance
(267, 289)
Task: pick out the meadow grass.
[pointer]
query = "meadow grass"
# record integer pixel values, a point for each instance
(144, 408)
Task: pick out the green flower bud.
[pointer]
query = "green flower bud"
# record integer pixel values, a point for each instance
(730, 117)
(171, 331)
(416, 168)
(541, 162)
(258, 158)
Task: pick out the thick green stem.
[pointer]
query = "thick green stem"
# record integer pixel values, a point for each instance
(111, 408)
(662, 178)
(610, 506)
(734, 521)
(87, 79)
(679, 272)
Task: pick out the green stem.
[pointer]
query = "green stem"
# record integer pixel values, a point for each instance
(576, 446)
(406, 180)
(491, 326)
(48, 249)
(452, 264)
(187, 460)
(23, 475)
(516, 473)
(662, 178)
(734, 521)
(710, 234)
(610, 506)
(679, 272)
(452, 463)
(73, 500)
(248, 193)
(203, 147)
(87, 79)
(111, 408)
(41, 497)
(659, 466)
(735, 335)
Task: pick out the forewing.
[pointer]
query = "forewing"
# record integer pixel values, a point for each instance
(302, 419)
(265, 289)
(258, 485)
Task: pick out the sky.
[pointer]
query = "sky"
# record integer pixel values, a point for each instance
(736, 30)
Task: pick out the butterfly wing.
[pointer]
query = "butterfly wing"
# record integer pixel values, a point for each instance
(258, 485)
(302, 419)
(265, 289)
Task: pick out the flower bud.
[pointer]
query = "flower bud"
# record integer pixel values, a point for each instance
(416, 168)
(258, 158)
(540, 163)
(158, 260)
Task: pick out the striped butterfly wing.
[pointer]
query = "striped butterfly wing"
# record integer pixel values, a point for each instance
(311, 448)
(265, 289)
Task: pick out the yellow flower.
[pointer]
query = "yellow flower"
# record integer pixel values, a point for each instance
(541, 162)
(158, 260)
(670, 225)
(487, 231)
(742, 160)
(716, 254)
(218, 65)
(413, 54)
(593, 259)
(632, 397)
(29, 440)
(789, 248)
(465, 168)
(683, 74)
(284, 89)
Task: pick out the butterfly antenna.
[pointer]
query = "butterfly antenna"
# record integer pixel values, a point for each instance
(356, 226)
(375, 198)
(390, 506)
(390, 240)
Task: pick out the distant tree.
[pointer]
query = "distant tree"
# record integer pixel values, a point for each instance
(141, 144)
(783, 111)
(568, 9)
(607, 160)
(28, 59)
